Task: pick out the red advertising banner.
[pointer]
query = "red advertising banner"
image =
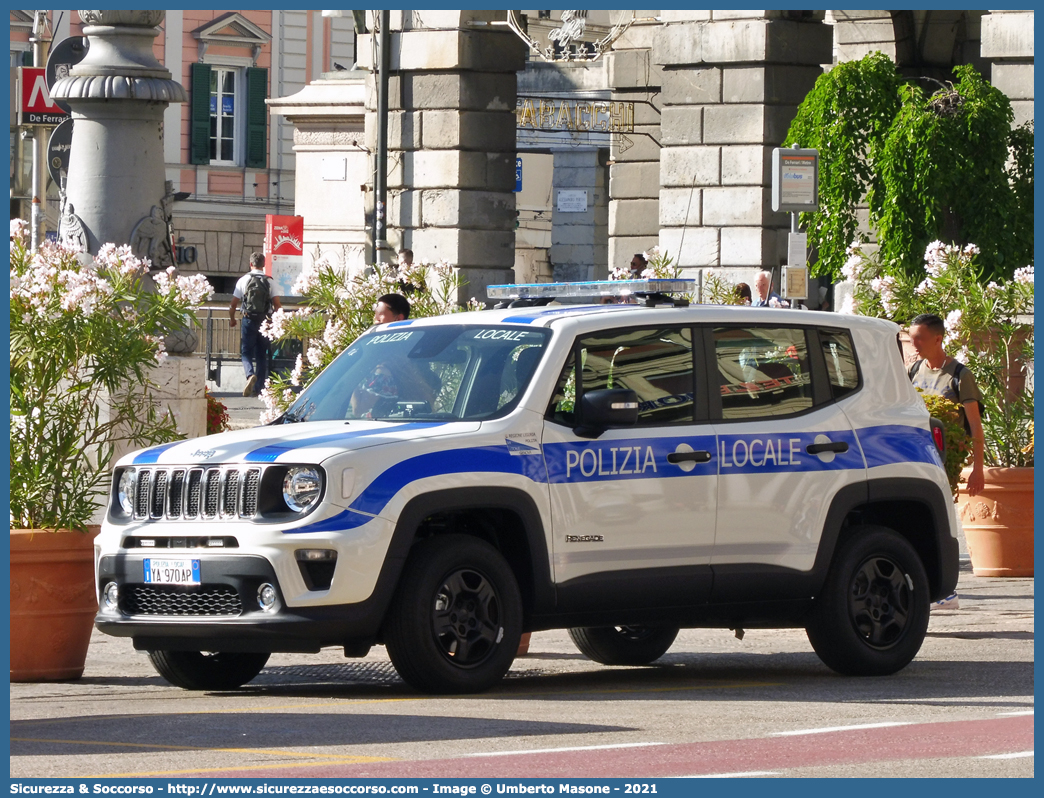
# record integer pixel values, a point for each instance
(284, 251)
(35, 105)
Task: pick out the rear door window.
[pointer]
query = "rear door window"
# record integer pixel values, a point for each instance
(764, 371)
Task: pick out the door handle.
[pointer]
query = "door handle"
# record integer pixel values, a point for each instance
(818, 448)
(689, 457)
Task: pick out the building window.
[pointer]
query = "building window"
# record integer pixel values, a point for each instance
(222, 115)
(229, 118)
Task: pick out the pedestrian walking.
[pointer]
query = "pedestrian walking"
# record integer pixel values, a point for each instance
(254, 291)
(937, 373)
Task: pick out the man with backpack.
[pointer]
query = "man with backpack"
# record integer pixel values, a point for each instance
(937, 373)
(254, 291)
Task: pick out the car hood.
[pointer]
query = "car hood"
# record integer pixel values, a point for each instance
(304, 442)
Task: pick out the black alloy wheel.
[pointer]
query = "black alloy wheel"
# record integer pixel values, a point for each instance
(871, 615)
(456, 618)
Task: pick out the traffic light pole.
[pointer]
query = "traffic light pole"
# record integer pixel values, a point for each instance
(38, 219)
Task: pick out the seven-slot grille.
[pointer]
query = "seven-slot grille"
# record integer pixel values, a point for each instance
(207, 493)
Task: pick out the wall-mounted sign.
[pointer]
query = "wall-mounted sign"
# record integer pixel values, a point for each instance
(58, 148)
(518, 173)
(572, 201)
(795, 180)
(64, 56)
(335, 167)
(556, 113)
(36, 106)
(284, 251)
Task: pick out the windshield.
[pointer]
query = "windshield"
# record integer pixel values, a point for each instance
(449, 372)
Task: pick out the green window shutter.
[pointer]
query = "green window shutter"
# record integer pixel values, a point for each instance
(27, 58)
(199, 147)
(257, 118)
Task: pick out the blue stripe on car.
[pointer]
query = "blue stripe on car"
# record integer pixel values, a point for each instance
(645, 458)
(152, 455)
(485, 459)
(269, 452)
(895, 443)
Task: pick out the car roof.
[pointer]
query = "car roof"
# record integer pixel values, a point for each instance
(556, 315)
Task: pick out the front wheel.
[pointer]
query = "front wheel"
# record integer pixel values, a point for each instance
(623, 645)
(872, 615)
(199, 670)
(456, 619)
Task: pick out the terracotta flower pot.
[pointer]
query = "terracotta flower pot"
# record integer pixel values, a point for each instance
(998, 523)
(53, 603)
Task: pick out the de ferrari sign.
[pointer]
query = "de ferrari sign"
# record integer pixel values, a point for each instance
(35, 106)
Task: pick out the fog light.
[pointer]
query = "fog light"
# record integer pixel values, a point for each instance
(316, 555)
(266, 597)
(111, 597)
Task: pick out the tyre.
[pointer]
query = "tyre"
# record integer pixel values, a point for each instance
(872, 614)
(198, 670)
(623, 645)
(456, 619)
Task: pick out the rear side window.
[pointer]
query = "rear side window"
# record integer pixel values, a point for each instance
(764, 371)
(841, 365)
(657, 364)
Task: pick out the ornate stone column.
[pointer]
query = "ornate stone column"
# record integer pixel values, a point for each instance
(116, 189)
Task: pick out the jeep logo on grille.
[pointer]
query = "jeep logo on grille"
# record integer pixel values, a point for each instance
(203, 453)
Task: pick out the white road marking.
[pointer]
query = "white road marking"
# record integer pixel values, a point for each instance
(558, 750)
(743, 775)
(1015, 714)
(828, 729)
(1019, 755)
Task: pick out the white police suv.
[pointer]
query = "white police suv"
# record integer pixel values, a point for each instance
(620, 470)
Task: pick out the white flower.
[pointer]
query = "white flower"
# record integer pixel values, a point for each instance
(924, 286)
(971, 249)
(953, 320)
(20, 230)
(852, 267)
(296, 374)
(1024, 275)
(849, 306)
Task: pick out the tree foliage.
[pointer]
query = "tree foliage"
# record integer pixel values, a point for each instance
(944, 166)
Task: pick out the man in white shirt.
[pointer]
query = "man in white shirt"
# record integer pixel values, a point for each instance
(254, 291)
(763, 293)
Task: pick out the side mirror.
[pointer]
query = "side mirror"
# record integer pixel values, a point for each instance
(599, 410)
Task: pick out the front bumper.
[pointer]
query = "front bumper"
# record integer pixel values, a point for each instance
(223, 614)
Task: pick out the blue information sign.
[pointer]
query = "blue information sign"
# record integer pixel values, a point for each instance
(518, 173)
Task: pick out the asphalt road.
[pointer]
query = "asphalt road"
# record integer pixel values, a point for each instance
(714, 705)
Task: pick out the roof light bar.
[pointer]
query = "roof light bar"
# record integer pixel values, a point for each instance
(591, 288)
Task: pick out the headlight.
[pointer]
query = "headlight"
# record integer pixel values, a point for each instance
(301, 488)
(125, 490)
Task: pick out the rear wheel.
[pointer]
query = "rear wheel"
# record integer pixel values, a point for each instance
(456, 619)
(199, 670)
(623, 645)
(872, 615)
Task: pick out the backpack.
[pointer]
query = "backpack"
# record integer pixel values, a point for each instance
(257, 296)
(955, 386)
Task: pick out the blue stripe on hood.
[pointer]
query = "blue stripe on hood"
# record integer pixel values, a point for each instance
(152, 455)
(269, 452)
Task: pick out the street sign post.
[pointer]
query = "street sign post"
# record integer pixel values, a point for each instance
(58, 149)
(64, 56)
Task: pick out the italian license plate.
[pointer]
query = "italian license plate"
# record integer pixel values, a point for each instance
(171, 572)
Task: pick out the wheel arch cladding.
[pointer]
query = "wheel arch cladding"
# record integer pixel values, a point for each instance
(506, 518)
(915, 509)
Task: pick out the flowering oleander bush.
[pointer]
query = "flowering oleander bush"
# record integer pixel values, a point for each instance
(217, 413)
(339, 307)
(85, 333)
(988, 328)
